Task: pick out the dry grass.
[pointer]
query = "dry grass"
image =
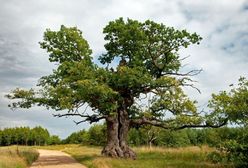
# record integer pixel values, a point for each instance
(101, 163)
(191, 149)
(8, 160)
(16, 157)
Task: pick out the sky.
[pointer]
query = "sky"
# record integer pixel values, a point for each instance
(222, 54)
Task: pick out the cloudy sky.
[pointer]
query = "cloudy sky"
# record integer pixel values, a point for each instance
(222, 55)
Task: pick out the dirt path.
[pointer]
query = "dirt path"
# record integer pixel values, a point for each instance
(55, 159)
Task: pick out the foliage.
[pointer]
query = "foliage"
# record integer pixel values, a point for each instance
(236, 153)
(27, 136)
(167, 138)
(149, 64)
(216, 157)
(80, 137)
(96, 135)
(53, 140)
(40, 135)
(135, 137)
(233, 105)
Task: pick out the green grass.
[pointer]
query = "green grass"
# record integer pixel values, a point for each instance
(17, 157)
(187, 157)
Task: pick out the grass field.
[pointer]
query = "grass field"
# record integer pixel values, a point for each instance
(187, 157)
(17, 157)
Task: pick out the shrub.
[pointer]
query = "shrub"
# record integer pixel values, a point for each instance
(215, 157)
(237, 153)
(29, 155)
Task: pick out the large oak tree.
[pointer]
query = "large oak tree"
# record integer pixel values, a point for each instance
(141, 59)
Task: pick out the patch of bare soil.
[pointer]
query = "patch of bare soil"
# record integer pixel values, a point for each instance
(55, 159)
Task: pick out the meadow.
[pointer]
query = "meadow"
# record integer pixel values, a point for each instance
(155, 157)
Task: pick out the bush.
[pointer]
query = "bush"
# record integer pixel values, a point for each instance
(215, 157)
(29, 155)
(237, 153)
(230, 152)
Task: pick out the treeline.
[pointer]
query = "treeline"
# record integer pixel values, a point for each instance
(186, 137)
(27, 136)
(153, 136)
(96, 135)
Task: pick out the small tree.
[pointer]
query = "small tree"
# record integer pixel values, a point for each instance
(141, 59)
(150, 134)
(233, 105)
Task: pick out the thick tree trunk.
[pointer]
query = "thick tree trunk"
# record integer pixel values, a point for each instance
(117, 132)
(112, 148)
(123, 134)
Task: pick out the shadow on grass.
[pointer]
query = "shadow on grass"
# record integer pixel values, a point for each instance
(86, 158)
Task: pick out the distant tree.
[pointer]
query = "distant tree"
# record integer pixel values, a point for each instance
(40, 135)
(135, 137)
(173, 138)
(192, 135)
(27, 136)
(150, 134)
(80, 137)
(14, 134)
(7, 136)
(97, 135)
(141, 58)
(1, 137)
(212, 137)
(54, 140)
(73, 138)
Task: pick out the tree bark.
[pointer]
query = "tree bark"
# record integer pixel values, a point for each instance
(123, 134)
(117, 132)
(112, 148)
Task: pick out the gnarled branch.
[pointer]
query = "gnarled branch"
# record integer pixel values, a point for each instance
(165, 125)
(91, 118)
